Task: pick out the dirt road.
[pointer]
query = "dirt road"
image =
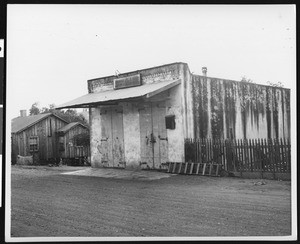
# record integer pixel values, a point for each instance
(46, 202)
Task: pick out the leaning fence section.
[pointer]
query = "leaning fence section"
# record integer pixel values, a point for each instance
(251, 155)
(77, 152)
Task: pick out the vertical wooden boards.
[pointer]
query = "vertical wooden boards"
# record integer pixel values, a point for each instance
(106, 137)
(155, 132)
(112, 137)
(163, 136)
(145, 134)
(117, 136)
(154, 140)
(160, 133)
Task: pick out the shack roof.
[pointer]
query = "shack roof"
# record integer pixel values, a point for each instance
(70, 126)
(146, 91)
(19, 124)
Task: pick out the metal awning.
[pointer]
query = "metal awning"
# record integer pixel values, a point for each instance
(143, 91)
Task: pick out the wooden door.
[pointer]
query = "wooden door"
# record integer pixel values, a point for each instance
(146, 130)
(117, 137)
(106, 138)
(160, 132)
(154, 144)
(112, 137)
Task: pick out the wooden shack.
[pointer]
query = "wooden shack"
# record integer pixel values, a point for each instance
(36, 135)
(141, 118)
(69, 146)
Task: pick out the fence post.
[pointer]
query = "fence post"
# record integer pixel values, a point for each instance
(233, 153)
(250, 155)
(272, 156)
(239, 156)
(282, 156)
(266, 156)
(246, 159)
(200, 150)
(289, 153)
(285, 153)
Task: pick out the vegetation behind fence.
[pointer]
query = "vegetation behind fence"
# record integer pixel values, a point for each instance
(77, 151)
(251, 155)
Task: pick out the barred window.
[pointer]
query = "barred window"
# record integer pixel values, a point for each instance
(33, 143)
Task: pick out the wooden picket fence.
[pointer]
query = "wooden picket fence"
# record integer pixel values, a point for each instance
(77, 152)
(251, 155)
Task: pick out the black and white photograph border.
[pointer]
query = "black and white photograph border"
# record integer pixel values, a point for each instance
(113, 60)
(1, 146)
(1, 110)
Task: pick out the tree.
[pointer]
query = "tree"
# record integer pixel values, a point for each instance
(245, 79)
(270, 83)
(82, 139)
(70, 115)
(34, 110)
(275, 84)
(51, 109)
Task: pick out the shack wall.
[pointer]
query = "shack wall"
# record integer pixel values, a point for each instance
(176, 137)
(69, 139)
(95, 136)
(47, 140)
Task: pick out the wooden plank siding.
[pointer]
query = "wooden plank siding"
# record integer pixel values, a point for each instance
(70, 145)
(47, 140)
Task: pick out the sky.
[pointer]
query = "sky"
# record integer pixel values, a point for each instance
(52, 50)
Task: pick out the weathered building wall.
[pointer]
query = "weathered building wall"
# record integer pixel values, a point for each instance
(69, 138)
(131, 127)
(186, 101)
(204, 107)
(131, 116)
(232, 109)
(176, 137)
(95, 136)
(156, 74)
(47, 139)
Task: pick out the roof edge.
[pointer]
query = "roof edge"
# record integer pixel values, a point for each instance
(49, 114)
(154, 67)
(202, 76)
(75, 124)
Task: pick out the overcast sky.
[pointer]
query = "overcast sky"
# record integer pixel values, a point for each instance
(52, 50)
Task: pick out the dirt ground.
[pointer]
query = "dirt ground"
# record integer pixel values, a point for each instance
(47, 203)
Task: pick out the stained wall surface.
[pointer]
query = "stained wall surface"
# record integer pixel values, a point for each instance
(231, 109)
(204, 107)
(131, 125)
(95, 136)
(131, 116)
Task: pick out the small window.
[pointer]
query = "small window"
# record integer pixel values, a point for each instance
(33, 143)
(170, 122)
